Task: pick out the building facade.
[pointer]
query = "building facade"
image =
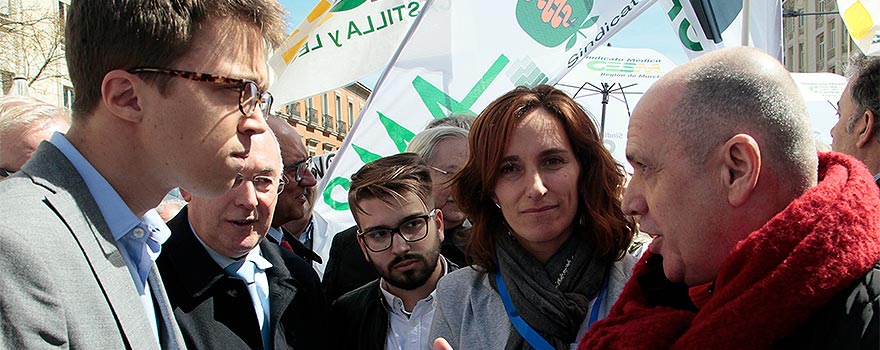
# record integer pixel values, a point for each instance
(815, 42)
(325, 119)
(32, 49)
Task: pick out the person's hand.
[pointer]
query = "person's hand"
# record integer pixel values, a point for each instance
(441, 344)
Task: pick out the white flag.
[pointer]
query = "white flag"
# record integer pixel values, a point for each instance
(458, 57)
(338, 44)
(708, 25)
(862, 19)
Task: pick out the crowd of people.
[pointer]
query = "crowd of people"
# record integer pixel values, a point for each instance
(170, 210)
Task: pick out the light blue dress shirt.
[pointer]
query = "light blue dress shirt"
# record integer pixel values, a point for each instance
(259, 290)
(138, 239)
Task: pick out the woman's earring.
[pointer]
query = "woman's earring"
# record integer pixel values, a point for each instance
(498, 205)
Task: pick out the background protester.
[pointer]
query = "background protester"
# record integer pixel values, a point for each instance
(346, 268)
(759, 243)
(399, 233)
(444, 148)
(293, 204)
(857, 131)
(548, 237)
(229, 287)
(24, 123)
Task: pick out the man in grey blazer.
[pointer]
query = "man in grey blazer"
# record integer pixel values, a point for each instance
(168, 94)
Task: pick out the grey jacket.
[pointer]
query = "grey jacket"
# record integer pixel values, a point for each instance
(469, 314)
(64, 283)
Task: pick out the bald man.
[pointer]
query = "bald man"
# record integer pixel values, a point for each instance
(294, 203)
(760, 243)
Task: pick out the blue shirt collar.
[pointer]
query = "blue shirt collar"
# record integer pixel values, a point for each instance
(140, 239)
(255, 255)
(120, 219)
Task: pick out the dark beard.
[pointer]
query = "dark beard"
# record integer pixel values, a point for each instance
(414, 278)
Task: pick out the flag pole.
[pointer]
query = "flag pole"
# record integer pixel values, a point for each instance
(745, 22)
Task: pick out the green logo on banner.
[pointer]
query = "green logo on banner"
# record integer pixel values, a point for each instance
(551, 22)
(345, 5)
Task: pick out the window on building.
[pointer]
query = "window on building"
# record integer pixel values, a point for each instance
(338, 108)
(63, 9)
(820, 47)
(67, 96)
(6, 81)
(801, 59)
(350, 113)
(325, 105)
(801, 19)
(789, 57)
(832, 39)
(820, 5)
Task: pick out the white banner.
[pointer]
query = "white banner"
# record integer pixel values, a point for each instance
(821, 91)
(862, 19)
(458, 57)
(338, 44)
(693, 24)
(620, 77)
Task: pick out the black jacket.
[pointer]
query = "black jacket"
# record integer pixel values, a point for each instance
(848, 321)
(360, 320)
(215, 310)
(347, 269)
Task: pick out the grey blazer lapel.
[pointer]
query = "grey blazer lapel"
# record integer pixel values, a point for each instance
(75, 206)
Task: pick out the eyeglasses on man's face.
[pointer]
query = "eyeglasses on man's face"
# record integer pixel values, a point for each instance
(262, 183)
(249, 93)
(6, 172)
(298, 170)
(413, 229)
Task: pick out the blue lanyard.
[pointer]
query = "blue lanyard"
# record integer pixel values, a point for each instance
(594, 313)
(527, 332)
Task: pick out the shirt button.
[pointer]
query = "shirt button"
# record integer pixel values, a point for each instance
(138, 233)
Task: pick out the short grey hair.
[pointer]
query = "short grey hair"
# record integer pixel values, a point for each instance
(739, 93)
(425, 143)
(23, 111)
(463, 121)
(863, 73)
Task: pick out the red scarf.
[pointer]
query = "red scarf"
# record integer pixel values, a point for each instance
(772, 281)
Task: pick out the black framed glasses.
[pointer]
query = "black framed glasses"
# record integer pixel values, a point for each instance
(262, 183)
(299, 170)
(250, 95)
(6, 172)
(413, 229)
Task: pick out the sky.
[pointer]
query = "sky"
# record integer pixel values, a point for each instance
(651, 30)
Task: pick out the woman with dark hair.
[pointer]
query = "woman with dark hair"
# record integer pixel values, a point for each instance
(548, 240)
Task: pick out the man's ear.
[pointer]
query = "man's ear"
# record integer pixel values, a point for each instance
(119, 93)
(865, 135)
(741, 166)
(438, 218)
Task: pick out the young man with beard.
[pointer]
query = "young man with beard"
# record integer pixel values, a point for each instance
(399, 232)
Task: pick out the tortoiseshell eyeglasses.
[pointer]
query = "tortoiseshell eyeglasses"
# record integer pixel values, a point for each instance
(250, 95)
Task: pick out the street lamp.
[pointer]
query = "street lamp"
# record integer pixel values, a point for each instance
(796, 13)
